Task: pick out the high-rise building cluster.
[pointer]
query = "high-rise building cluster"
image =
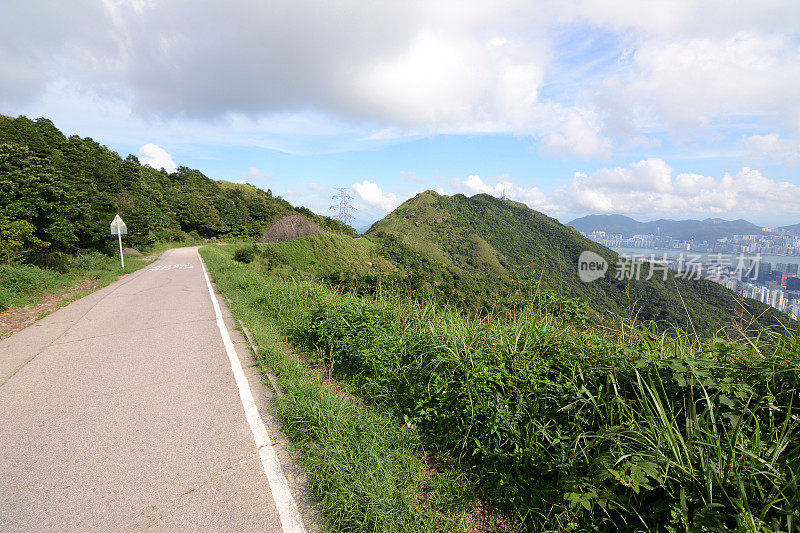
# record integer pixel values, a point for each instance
(774, 243)
(733, 261)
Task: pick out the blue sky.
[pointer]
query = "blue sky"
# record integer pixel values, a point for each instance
(651, 109)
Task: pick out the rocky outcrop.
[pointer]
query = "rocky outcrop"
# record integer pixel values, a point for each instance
(290, 227)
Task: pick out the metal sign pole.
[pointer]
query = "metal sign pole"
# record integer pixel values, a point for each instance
(121, 257)
(118, 227)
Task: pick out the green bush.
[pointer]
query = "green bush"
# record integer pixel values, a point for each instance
(245, 254)
(566, 425)
(569, 427)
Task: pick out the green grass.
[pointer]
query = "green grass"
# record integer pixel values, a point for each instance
(366, 467)
(561, 425)
(470, 248)
(322, 255)
(567, 427)
(24, 284)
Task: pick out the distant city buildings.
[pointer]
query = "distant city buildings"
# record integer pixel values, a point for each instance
(734, 262)
(774, 243)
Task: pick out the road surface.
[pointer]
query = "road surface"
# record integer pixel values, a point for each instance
(121, 412)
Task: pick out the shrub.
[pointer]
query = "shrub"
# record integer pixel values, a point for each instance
(568, 427)
(245, 254)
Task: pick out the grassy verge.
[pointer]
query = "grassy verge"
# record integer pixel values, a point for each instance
(564, 426)
(368, 471)
(24, 284)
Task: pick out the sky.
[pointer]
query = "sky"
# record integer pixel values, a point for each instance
(652, 109)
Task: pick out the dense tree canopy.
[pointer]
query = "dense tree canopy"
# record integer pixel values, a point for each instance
(70, 188)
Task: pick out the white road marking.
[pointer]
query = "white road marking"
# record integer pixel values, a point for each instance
(179, 266)
(288, 512)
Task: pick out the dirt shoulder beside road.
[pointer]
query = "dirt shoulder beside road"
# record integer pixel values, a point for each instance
(14, 319)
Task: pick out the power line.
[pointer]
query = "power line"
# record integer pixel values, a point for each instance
(344, 206)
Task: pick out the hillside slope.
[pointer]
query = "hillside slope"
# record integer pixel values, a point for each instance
(482, 239)
(70, 188)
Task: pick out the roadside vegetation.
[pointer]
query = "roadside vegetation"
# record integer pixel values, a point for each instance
(551, 420)
(58, 195)
(24, 283)
(368, 469)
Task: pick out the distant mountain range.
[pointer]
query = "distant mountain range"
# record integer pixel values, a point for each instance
(794, 227)
(709, 229)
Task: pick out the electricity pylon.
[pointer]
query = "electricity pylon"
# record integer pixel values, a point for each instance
(344, 206)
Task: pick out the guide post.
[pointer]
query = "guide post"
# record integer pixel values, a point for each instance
(118, 227)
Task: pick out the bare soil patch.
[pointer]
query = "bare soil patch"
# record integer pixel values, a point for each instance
(14, 319)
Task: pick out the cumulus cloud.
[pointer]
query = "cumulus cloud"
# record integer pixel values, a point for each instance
(317, 187)
(649, 186)
(531, 195)
(419, 67)
(154, 156)
(371, 193)
(692, 83)
(771, 147)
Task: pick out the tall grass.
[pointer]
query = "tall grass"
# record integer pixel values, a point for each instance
(22, 284)
(568, 427)
(365, 467)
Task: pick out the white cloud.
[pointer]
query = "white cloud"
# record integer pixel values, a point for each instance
(648, 186)
(371, 193)
(295, 194)
(689, 84)
(156, 157)
(418, 68)
(317, 187)
(254, 174)
(577, 132)
(532, 196)
(772, 148)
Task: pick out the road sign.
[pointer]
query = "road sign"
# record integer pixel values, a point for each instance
(119, 229)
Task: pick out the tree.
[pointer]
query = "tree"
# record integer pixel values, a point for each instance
(32, 190)
(15, 235)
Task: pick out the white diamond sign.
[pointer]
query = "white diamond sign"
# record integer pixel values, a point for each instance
(118, 227)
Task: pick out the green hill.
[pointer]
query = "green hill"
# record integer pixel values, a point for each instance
(68, 189)
(480, 241)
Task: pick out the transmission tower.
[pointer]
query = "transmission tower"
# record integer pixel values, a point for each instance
(344, 206)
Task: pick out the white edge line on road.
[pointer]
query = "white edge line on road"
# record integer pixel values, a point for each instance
(288, 512)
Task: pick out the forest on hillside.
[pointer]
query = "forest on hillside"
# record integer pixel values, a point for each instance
(59, 194)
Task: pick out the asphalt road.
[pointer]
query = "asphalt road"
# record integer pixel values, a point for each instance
(120, 412)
